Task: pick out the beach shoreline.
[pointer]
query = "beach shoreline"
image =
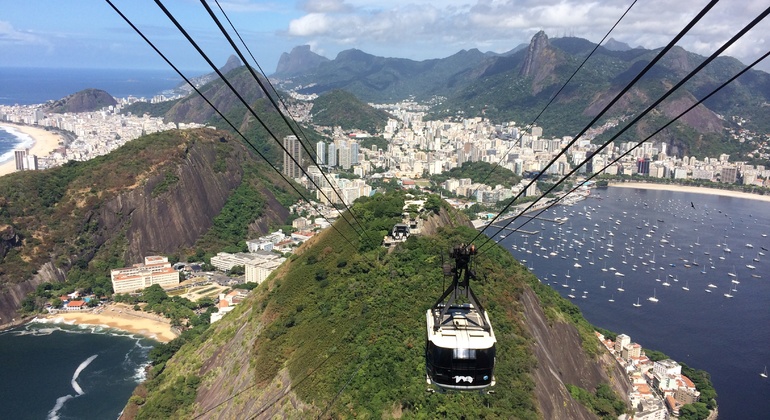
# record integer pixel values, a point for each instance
(119, 317)
(44, 142)
(690, 189)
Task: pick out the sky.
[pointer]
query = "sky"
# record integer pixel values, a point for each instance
(90, 34)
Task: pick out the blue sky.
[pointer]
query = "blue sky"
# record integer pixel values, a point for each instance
(89, 34)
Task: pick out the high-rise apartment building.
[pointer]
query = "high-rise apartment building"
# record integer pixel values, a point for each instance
(25, 161)
(331, 157)
(291, 167)
(320, 153)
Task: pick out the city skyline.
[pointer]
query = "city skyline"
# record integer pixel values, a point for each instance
(46, 33)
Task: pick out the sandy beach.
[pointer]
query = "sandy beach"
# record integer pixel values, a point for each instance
(695, 190)
(45, 142)
(120, 317)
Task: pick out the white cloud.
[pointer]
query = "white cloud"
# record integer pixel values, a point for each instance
(312, 24)
(10, 35)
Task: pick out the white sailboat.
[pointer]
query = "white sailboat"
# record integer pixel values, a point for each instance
(603, 286)
(612, 298)
(764, 374)
(653, 298)
(637, 304)
(686, 287)
(621, 289)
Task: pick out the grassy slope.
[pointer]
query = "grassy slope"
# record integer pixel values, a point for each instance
(333, 316)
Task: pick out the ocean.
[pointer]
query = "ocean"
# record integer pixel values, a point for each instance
(10, 140)
(695, 240)
(27, 86)
(59, 371)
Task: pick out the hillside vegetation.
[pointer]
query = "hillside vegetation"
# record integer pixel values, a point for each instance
(339, 332)
(340, 108)
(161, 193)
(480, 172)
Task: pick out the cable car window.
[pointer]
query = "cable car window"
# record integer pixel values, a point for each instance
(463, 354)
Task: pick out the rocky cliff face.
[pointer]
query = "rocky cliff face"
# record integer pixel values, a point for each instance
(164, 223)
(560, 361)
(12, 295)
(162, 207)
(300, 59)
(540, 62)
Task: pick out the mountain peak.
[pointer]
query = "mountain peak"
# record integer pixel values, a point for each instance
(614, 45)
(298, 60)
(540, 62)
(232, 63)
(535, 51)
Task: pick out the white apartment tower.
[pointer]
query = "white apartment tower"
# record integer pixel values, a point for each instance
(320, 152)
(293, 149)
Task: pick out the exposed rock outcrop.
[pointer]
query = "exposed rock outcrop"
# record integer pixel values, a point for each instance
(164, 223)
(540, 62)
(12, 295)
(443, 219)
(559, 361)
(300, 59)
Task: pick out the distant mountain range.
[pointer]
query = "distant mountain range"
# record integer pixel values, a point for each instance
(516, 85)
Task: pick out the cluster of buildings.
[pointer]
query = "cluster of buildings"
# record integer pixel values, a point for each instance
(659, 388)
(96, 133)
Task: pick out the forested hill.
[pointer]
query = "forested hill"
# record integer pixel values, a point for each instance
(159, 194)
(339, 331)
(340, 108)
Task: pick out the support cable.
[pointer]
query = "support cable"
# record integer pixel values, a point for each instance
(532, 123)
(246, 104)
(690, 108)
(179, 72)
(623, 91)
(277, 107)
(668, 93)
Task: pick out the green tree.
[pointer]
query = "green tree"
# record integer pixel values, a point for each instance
(154, 295)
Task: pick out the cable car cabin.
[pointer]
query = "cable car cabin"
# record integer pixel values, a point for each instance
(460, 350)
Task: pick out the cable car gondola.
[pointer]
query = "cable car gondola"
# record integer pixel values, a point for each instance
(460, 346)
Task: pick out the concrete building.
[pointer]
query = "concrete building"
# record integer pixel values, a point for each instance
(155, 270)
(621, 341)
(293, 148)
(729, 175)
(257, 266)
(320, 152)
(25, 161)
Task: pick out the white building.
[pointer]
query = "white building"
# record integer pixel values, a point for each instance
(155, 270)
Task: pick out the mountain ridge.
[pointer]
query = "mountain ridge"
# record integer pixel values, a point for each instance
(514, 86)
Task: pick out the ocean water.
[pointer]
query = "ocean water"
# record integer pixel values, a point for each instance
(728, 337)
(58, 371)
(10, 140)
(26, 86)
